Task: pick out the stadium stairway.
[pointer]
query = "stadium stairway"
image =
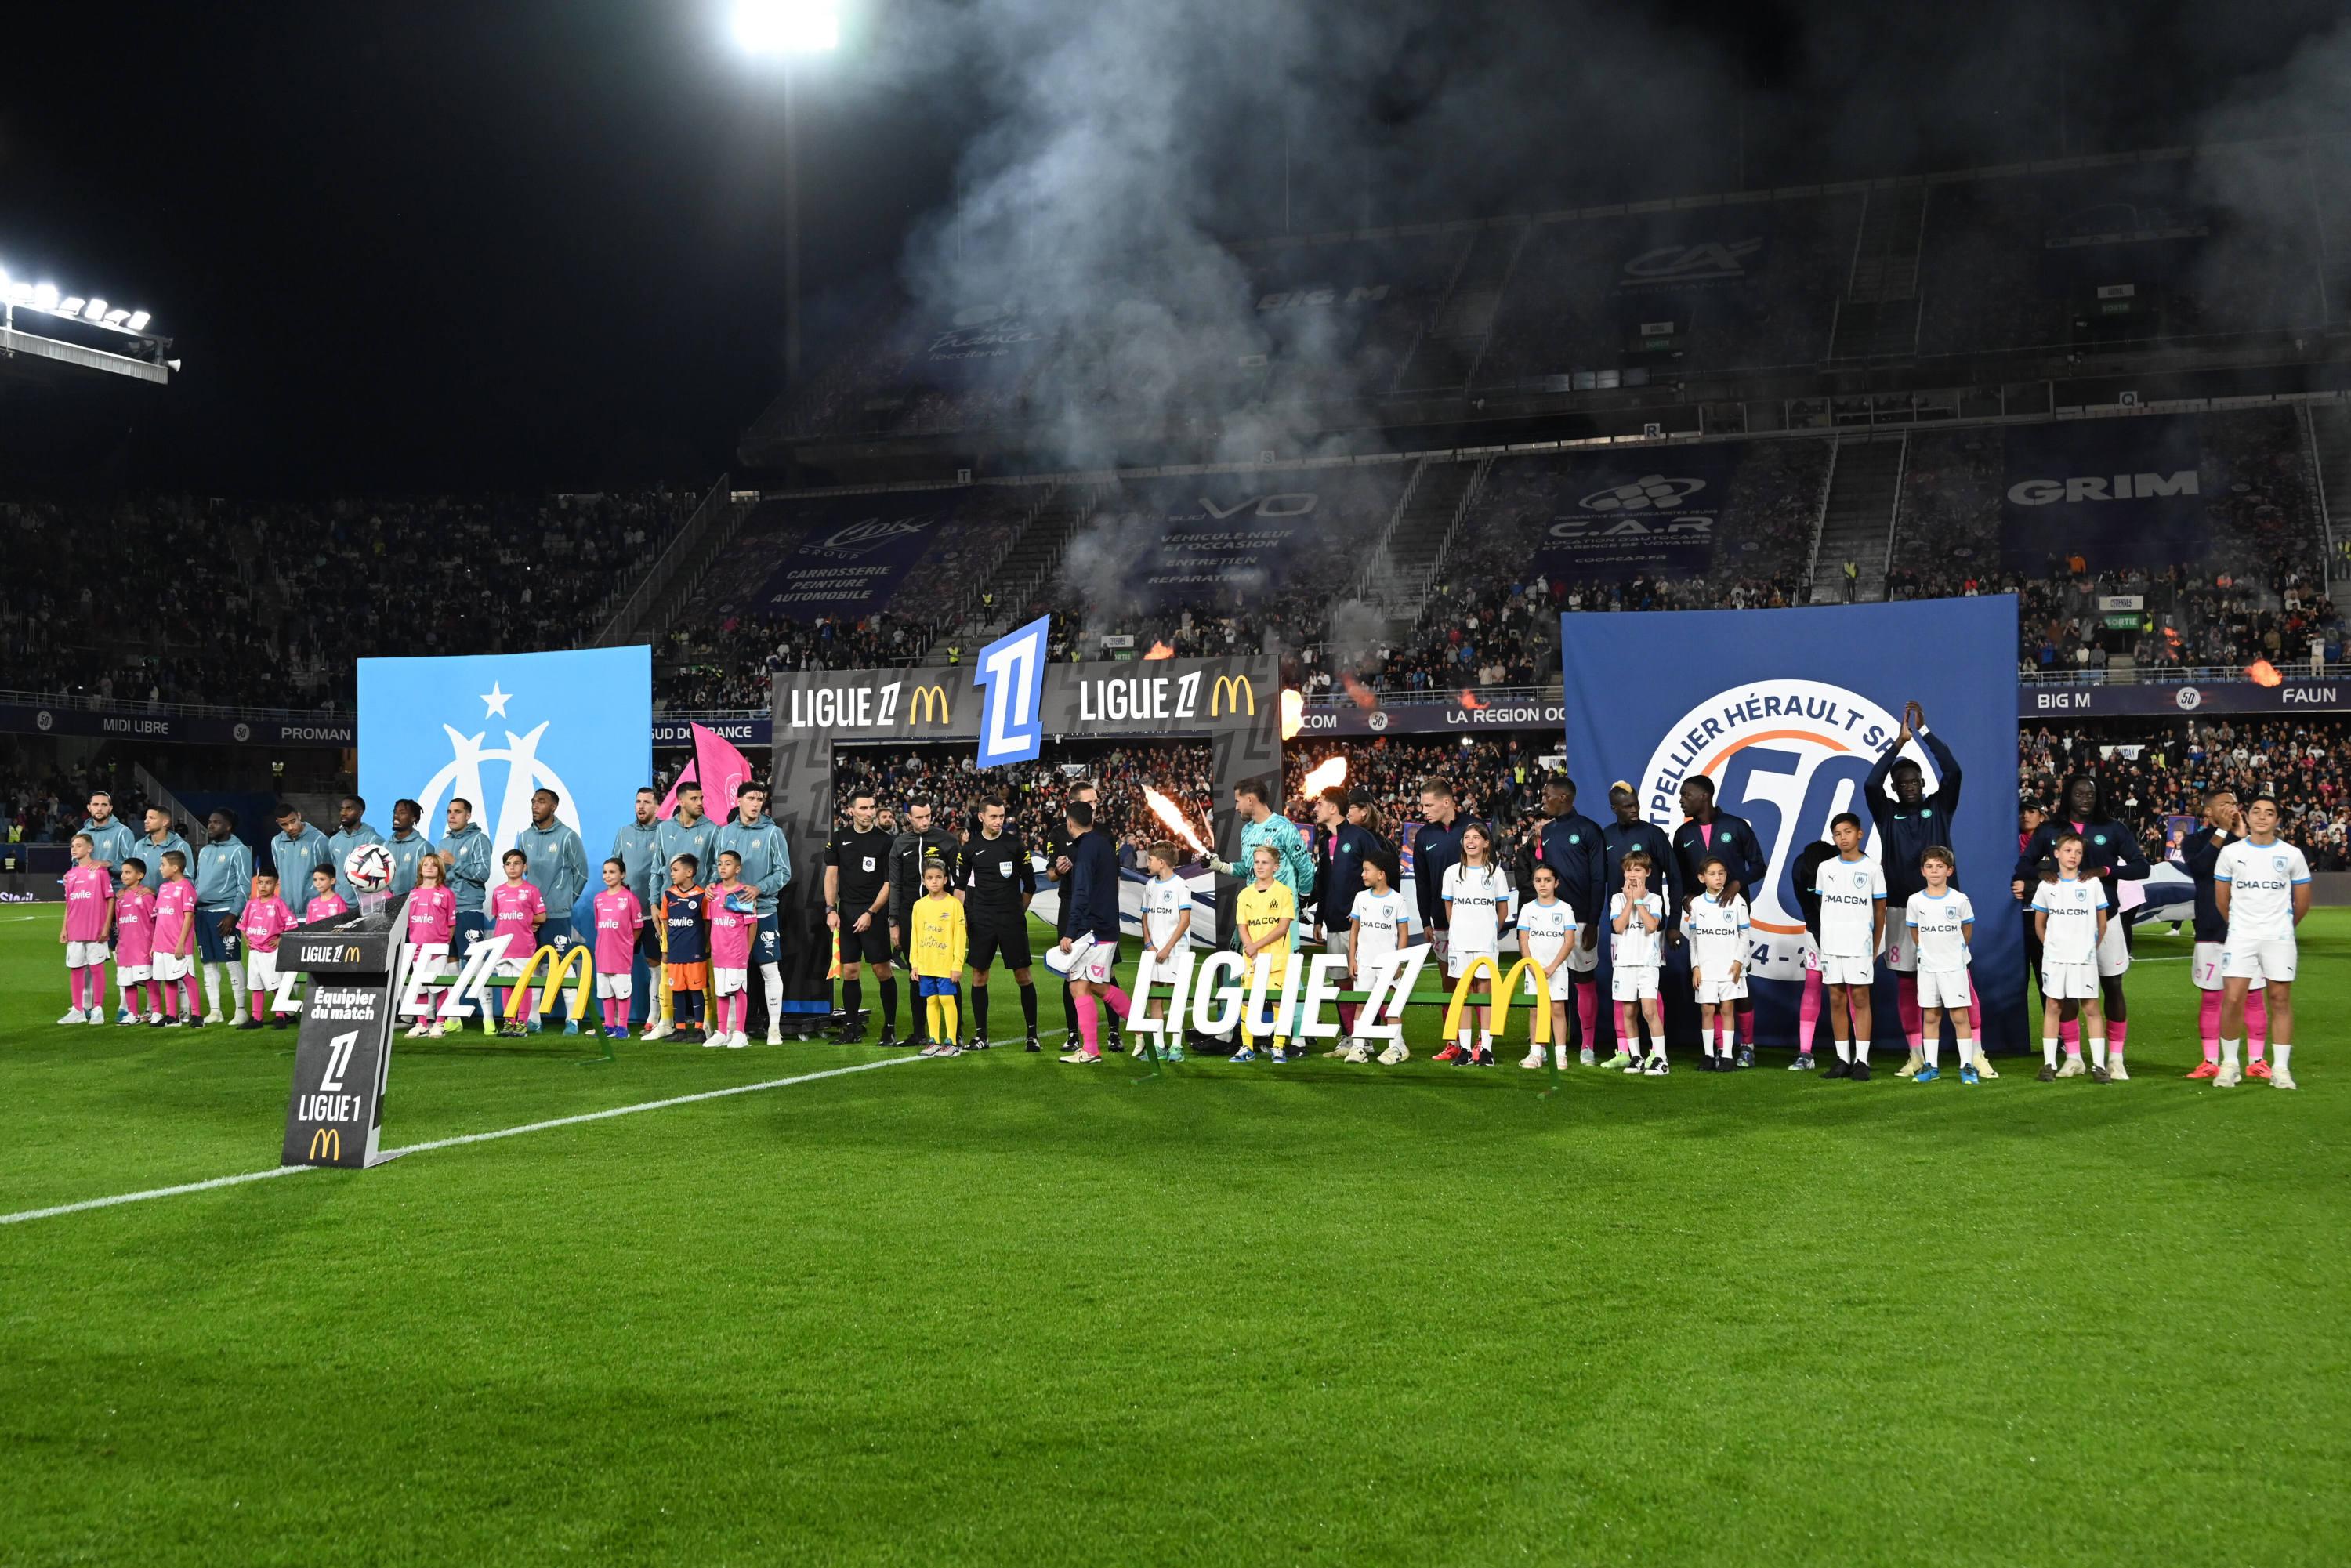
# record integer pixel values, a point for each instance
(1422, 530)
(2330, 437)
(1878, 317)
(1857, 523)
(1447, 354)
(1029, 565)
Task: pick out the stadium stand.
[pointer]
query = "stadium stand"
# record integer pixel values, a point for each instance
(270, 604)
(1217, 562)
(1966, 503)
(1735, 285)
(2170, 246)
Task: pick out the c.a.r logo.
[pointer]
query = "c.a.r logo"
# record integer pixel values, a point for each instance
(1788, 756)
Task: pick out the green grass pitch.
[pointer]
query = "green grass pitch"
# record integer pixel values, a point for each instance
(996, 1308)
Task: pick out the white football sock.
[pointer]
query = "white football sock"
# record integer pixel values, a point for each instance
(1935, 1052)
(2279, 1052)
(212, 986)
(2097, 1051)
(1861, 1050)
(772, 980)
(2048, 1048)
(1967, 1051)
(1844, 1050)
(236, 987)
(2229, 1053)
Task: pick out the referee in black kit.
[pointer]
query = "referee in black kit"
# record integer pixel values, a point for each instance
(997, 883)
(857, 904)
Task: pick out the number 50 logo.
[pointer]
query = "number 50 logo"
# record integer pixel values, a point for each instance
(1011, 671)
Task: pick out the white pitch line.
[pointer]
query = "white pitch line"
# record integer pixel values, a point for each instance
(452, 1143)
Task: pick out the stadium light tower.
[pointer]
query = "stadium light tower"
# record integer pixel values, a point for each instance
(785, 31)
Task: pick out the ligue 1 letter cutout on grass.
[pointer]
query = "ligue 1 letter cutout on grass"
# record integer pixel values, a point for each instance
(1786, 710)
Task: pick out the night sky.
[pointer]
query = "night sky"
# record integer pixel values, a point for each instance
(523, 243)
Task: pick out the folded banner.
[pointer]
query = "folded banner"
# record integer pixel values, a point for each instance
(719, 767)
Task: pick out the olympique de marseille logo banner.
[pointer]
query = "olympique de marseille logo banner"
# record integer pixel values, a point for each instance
(492, 728)
(1786, 711)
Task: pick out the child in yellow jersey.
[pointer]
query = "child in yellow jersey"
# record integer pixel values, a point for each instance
(935, 949)
(1266, 913)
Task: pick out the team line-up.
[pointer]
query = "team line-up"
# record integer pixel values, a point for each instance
(2252, 890)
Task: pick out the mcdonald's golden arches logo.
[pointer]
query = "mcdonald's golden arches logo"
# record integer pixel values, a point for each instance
(930, 700)
(327, 1142)
(1232, 691)
(1505, 984)
(559, 969)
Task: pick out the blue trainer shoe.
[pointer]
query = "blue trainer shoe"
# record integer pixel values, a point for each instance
(1926, 1075)
(1967, 1074)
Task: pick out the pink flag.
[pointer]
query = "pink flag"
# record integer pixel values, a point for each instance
(719, 769)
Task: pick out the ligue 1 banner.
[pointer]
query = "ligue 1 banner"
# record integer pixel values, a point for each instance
(841, 555)
(1786, 711)
(494, 728)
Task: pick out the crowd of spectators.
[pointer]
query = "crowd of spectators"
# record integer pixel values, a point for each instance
(1037, 791)
(268, 605)
(701, 667)
(2261, 518)
(2157, 772)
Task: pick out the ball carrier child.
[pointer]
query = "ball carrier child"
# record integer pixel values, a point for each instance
(1852, 891)
(936, 943)
(1637, 917)
(1716, 925)
(2263, 888)
(2070, 916)
(1941, 924)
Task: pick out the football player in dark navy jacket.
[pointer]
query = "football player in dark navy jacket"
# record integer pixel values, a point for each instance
(1569, 844)
(1708, 834)
(2224, 825)
(1906, 826)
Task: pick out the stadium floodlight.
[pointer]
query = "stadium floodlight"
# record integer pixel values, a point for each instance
(69, 306)
(117, 316)
(44, 296)
(138, 320)
(94, 311)
(787, 26)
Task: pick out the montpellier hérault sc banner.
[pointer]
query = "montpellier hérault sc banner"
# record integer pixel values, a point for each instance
(1786, 710)
(492, 728)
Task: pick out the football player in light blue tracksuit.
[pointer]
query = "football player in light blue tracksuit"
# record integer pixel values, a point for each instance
(637, 846)
(756, 838)
(299, 850)
(224, 872)
(407, 846)
(468, 849)
(555, 862)
(356, 831)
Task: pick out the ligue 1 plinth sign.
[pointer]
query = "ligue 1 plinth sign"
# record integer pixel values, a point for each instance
(343, 1053)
